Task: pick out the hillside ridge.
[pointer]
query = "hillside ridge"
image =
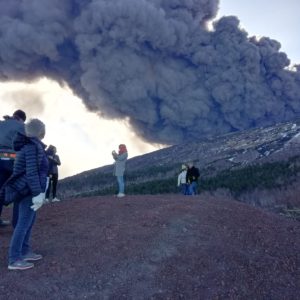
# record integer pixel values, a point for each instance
(227, 152)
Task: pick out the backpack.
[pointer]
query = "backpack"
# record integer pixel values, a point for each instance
(9, 193)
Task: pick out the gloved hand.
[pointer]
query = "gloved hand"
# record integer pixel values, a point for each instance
(38, 201)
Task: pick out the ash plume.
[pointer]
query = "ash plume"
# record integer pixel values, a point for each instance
(154, 62)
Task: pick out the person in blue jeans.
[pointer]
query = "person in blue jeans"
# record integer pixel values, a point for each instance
(192, 176)
(119, 168)
(30, 173)
(181, 180)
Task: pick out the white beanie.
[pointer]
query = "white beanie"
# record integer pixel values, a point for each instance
(35, 128)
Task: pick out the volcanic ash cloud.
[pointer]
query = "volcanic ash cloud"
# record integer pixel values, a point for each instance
(152, 61)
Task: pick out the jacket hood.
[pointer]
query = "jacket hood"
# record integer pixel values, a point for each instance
(21, 140)
(122, 149)
(51, 150)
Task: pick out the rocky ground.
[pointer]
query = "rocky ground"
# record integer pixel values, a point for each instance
(157, 247)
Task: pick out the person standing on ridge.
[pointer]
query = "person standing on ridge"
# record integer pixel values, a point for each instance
(119, 168)
(30, 180)
(192, 176)
(8, 129)
(181, 182)
(54, 162)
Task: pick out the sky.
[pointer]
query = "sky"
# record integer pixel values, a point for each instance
(85, 140)
(277, 19)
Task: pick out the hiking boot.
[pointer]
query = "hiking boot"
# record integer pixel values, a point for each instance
(120, 195)
(4, 223)
(32, 257)
(20, 265)
(55, 200)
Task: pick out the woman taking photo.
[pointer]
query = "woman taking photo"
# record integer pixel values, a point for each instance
(120, 163)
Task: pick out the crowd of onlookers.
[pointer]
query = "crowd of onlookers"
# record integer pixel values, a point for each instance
(29, 177)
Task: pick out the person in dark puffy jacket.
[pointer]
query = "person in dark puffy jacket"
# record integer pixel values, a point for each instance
(30, 173)
(8, 129)
(54, 162)
(192, 176)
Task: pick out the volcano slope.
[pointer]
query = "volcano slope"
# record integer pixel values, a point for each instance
(157, 247)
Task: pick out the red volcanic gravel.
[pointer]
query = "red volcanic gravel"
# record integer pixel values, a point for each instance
(156, 247)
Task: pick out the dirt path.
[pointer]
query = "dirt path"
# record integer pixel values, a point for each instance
(157, 247)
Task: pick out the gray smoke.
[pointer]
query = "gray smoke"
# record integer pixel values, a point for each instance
(154, 62)
(32, 100)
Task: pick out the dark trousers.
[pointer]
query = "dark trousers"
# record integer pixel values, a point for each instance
(6, 169)
(52, 186)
